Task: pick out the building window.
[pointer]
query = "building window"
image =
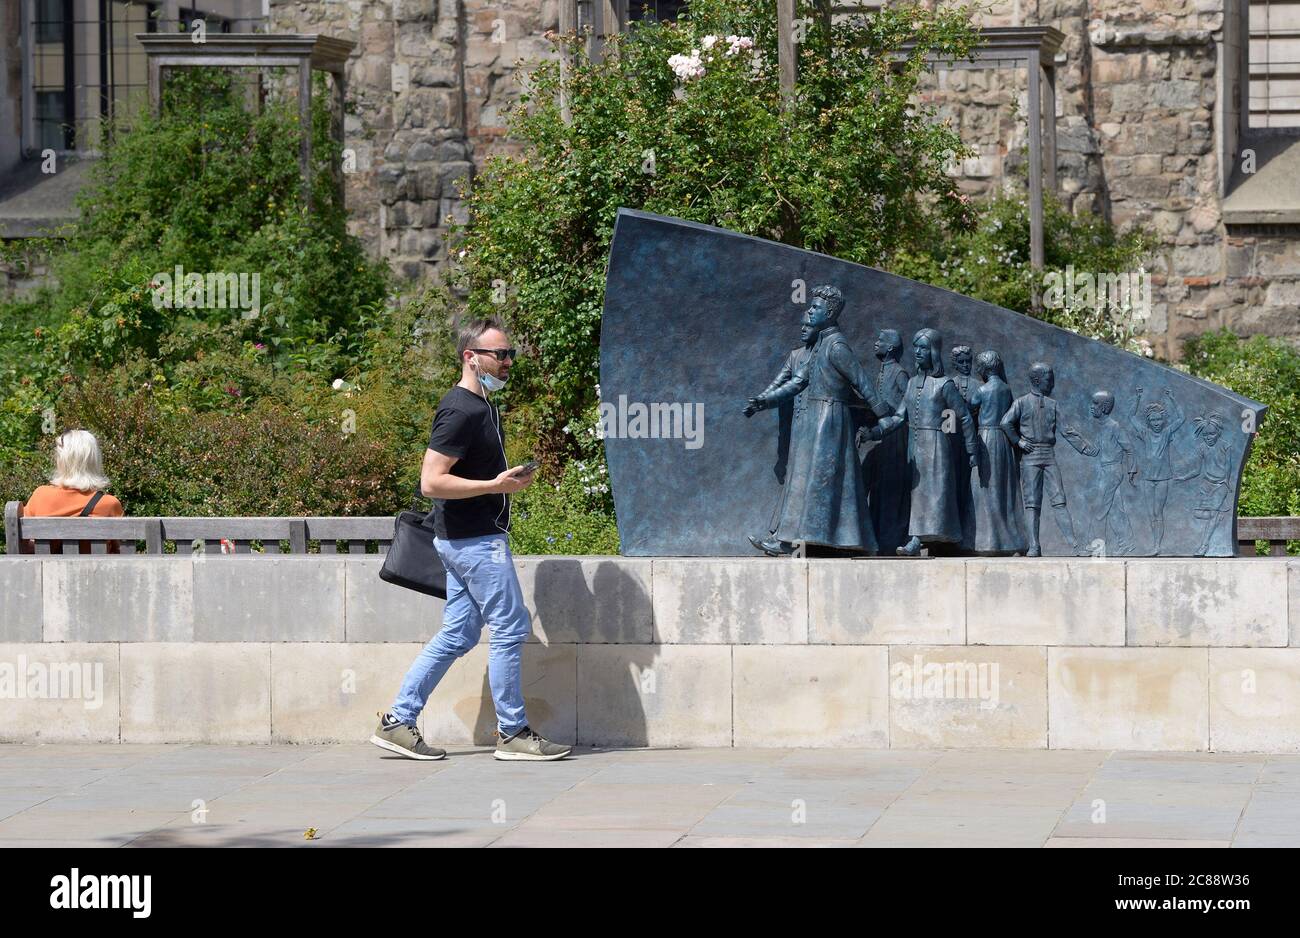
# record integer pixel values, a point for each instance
(53, 73)
(651, 10)
(213, 22)
(85, 67)
(51, 127)
(1274, 63)
(49, 23)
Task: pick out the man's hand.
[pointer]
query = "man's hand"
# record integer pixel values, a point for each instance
(511, 481)
(974, 460)
(753, 406)
(1024, 445)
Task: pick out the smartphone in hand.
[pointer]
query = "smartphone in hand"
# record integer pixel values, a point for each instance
(527, 468)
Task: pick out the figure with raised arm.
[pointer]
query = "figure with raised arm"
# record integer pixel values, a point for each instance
(1154, 425)
(768, 542)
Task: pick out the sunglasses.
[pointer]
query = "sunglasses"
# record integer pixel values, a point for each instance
(501, 354)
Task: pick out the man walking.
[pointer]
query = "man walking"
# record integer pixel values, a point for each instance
(466, 474)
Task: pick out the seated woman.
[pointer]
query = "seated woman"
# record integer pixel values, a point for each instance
(78, 477)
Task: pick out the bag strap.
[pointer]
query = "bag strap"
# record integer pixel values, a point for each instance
(90, 505)
(418, 497)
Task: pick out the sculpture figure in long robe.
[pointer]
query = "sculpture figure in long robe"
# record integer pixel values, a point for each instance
(885, 461)
(825, 502)
(995, 478)
(933, 409)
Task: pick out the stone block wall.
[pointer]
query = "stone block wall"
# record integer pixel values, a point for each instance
(1137, 91)
(428, 85)
(1138, 87)
(1009, 653)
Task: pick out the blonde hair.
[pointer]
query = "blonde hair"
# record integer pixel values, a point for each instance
(77, 462)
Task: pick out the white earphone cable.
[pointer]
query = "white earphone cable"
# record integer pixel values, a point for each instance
(505, 499)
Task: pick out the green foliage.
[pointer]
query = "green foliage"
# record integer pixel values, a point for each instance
(211, 188)
(990, 262)
(1268, 371)
(207, 407)
(576, 514)
(554, 518)
(853, 168)
(264, 460)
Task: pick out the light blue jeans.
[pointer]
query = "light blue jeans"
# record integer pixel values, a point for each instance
(481, 587)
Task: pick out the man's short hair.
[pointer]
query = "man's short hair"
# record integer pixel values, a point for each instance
(470, 332)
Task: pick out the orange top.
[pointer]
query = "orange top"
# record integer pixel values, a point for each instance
(55, 501)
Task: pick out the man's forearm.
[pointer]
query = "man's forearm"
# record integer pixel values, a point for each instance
(450, 486)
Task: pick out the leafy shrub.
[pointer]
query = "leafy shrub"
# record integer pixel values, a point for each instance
(261, 461)
(1268, 371)
(990, 261)
(203, 409)
(854, 169)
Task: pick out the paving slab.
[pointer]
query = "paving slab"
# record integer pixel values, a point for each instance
(1119, 842)
(356, 795)
(913, 826)
(761, 842)
(534, 835)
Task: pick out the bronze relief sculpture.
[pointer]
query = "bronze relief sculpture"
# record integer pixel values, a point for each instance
(959, 456)
(825, 502)
(932, 408)
(995, 478)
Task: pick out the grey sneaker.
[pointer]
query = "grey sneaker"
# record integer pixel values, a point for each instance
(529, 746)
(403, 739)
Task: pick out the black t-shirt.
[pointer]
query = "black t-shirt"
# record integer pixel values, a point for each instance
(467, 427)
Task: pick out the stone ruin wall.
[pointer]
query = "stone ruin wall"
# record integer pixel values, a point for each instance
(1135, 135)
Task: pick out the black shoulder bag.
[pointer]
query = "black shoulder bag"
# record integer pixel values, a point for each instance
(412, 561)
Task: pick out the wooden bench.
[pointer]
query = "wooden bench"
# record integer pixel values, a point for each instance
(1276, 530)
(186, 536)
(189, 535)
